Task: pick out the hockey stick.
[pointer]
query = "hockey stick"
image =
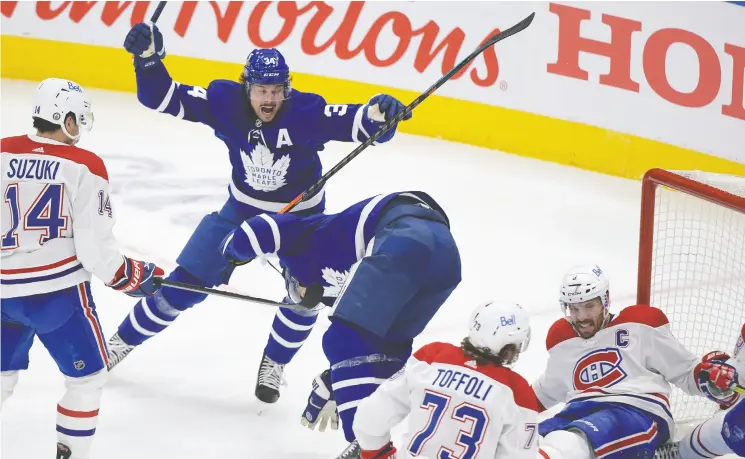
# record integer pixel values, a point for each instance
(519, 27)
(158, 10)
(227, 294)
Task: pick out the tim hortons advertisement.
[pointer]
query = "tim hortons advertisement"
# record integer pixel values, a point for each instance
(666, 71)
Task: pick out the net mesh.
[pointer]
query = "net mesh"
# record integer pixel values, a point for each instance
(698, 274)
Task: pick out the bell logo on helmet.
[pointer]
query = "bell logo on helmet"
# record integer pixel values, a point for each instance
(505, 321)
(73, 87)
(601, 368)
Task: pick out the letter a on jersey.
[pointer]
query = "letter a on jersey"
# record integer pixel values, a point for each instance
(283, 138)
(601, 368)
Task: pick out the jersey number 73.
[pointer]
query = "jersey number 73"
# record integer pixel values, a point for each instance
(469, 437)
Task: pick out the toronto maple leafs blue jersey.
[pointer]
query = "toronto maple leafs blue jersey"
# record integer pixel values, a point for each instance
(321, 249)
(272, 162)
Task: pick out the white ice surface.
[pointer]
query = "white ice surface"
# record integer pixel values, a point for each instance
(519, 223)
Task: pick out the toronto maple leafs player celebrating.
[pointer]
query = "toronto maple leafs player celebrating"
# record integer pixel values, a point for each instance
(461, 400)
(614, 373)
(398, 263)
(723, 433)
(57, 225)
(273, 134)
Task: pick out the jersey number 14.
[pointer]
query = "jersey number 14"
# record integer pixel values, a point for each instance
(44, 214)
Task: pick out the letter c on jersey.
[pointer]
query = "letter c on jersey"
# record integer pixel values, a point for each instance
(601, 368)
(622, 338)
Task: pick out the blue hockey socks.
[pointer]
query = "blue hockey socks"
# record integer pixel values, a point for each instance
(153, 314)
(289, 331)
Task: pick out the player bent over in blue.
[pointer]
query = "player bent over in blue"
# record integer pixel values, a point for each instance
(614, 372)
(273, 135)
(56, 232)
(724, 432)
(385, 265)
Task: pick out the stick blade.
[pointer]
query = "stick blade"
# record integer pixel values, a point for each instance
(519, 27)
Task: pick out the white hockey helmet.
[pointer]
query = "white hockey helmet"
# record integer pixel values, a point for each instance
(584, 283)
(56, 97)
(494, 325)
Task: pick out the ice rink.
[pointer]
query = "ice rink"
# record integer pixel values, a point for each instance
(519, 223)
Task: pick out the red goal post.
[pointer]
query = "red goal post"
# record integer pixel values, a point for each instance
(692, 263)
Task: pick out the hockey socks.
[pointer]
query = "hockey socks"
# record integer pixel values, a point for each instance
(722, 434)
(289, 331)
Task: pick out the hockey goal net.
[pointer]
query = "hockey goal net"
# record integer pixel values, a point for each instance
(692, 264)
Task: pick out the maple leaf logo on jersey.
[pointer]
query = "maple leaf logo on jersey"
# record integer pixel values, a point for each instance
(262, 172)
(336, 281)
(600, 368)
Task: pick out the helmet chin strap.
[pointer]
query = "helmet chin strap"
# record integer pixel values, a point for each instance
(74, 138)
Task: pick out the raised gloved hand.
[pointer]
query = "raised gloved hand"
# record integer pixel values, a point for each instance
(321, 406)
(146, 43)
(717, 379)
(136, 278)
(386, 452)
(383, 107)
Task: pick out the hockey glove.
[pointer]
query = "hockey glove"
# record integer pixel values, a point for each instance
(717, 379)
(136, 278)
(321, 406)
(309, 297)
(383, 107)
(386, 452)
(236, 248)
(146, 43)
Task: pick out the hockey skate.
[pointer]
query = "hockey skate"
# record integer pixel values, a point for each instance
(353, 451)
(667, 451)
(63, 451)
(268, 380)
(118, 349)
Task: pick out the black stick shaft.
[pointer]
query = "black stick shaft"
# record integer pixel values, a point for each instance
(158, 10)
(519, 27)
(223, 293)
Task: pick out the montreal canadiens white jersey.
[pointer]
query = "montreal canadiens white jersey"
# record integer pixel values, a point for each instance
(455, 406)
(631, 361)
(56, 220)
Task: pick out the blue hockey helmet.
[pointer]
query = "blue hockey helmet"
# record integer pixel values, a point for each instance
(266, 66)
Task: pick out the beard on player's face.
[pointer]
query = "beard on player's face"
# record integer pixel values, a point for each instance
(266, 100)
(588, 317)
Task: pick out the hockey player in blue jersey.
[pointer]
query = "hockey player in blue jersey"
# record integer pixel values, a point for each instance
(273, 134)
(385, 265)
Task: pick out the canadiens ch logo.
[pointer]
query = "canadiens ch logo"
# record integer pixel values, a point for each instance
(601, 368)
